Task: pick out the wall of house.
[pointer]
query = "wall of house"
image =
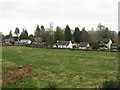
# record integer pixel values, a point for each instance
(70, 45)
(54, 46)
(64, 46)
(109, 44)
(29, 42)
(88, 45)
(82, 47)
(61, 46)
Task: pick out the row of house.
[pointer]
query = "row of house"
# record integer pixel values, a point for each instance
(14, 41)
(21, 42)
(69, 44)
(106, 43)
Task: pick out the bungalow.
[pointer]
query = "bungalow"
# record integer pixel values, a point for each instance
(24, 42)
(84, 45)
(107, 42)
(9, 41)
(63, 44)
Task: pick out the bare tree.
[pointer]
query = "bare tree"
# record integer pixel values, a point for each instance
(51, 28)
(50, 34)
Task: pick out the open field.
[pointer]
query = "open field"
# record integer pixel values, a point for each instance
(64, 68)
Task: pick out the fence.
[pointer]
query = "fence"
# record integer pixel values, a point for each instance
(74, 49)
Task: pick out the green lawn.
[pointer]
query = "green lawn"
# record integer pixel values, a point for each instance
(64, 68)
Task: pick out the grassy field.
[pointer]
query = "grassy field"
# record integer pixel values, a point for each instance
(63, 68)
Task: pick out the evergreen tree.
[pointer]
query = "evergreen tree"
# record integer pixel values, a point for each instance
(67, 34)
(17, 32)
(37, 31)
(31, 37)
(10, 34)
(59, 35)
(84, 36)
(77, 35)
(42, 28)
(106, 33)
(24, 34)
(42, 33)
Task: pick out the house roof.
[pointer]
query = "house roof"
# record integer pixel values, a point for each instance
(83, 44)
(114, 44)
(8, 40)
(76, 43)
(106, 40)
(24, 41)
(62, 43)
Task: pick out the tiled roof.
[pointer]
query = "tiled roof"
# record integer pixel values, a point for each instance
(8, 40)
(62, 43)
(23, 41)
(106, 40)
(83, 44)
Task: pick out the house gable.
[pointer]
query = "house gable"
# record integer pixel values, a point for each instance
(107, 42)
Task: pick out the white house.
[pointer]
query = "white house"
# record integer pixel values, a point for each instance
(84, 45)
(25, 42)
(63, 44)
(9, 41)
(107, 42)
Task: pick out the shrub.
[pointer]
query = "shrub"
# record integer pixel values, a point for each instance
(51, 86)
(74, 46)
(95, 46)
(110, 84)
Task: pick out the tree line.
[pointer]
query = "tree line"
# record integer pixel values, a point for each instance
(50, 36)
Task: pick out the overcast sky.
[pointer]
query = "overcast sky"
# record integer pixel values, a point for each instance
(81, 13)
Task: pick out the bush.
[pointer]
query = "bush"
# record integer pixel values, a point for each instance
(108, 84)
(118, 47)
(74, 46)
(51, 86)
(95, 46)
